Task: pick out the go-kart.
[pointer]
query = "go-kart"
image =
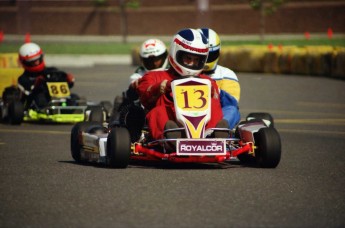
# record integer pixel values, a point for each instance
(52, 102)
(253, 141)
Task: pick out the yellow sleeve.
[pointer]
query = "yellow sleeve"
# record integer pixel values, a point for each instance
(230, 86)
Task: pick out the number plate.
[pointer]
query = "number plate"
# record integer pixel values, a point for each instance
(200, 147)
(58, 89)
(192, 98)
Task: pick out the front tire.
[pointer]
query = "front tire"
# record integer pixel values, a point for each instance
(268, 147)
(76, 145)
(118, 148)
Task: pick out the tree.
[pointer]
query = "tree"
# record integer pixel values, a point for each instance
(266, 7)
(124, 4)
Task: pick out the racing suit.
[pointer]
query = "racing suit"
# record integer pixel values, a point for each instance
(161, 108)
(29, 83)
(129, 96)
(229, 86)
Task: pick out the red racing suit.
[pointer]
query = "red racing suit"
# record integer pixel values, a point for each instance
(161, 109)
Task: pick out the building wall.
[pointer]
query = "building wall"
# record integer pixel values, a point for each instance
(164, 17)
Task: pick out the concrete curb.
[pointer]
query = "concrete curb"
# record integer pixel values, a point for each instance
(86, 60)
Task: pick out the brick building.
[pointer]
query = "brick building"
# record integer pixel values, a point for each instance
(165, 17)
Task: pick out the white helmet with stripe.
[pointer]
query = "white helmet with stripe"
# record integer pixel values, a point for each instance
(153, 54)
(31, 57)
(188, 52)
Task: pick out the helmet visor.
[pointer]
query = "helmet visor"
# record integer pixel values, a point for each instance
(154, 62)
(33, 62)
(212, 56)
(190, 60)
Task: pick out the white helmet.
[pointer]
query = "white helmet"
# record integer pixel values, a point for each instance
(151, 51)
(214, 48)
(31, 57)
(188, 42)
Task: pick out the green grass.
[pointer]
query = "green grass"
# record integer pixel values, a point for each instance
(340, 42)
(120, 48)
(75, 48)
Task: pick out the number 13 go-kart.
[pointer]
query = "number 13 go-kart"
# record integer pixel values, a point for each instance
(255, 141)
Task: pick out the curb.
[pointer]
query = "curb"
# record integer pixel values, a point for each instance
(86, 60)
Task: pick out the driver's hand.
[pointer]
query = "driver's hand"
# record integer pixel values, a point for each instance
(134, 84)
(165, 86)
(38, 81)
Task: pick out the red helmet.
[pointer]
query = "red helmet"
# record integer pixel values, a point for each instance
(31, 57)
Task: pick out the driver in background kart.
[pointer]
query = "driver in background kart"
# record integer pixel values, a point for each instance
(187, 57)
(226, 79)
(35, 71)
(153, 56)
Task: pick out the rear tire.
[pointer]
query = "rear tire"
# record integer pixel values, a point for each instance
(75, 143)
(268, 147)
(266, 117)
(96, 114)
(118, 148)
(15, 112)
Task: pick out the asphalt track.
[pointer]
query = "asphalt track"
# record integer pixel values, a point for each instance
(41, 186)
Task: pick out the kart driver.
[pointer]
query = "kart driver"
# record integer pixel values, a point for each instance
(187, 57)
(153, 56)
(226, 79)
(35, 71)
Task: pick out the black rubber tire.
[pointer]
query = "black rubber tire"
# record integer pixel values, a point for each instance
(15, 112)
(246, 158)
(97, 114)
(261, 116)
(75, 132)
(268, 147)
(10, 94)
(118, 147)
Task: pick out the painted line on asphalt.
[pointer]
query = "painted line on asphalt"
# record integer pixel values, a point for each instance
(36, 131)
(311, 121)
(322, 105)
(335, 115)
(339, 133)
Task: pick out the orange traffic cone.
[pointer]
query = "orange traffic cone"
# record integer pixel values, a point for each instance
(1, 36)
(27, 38)
(307, 35)
(329, 33)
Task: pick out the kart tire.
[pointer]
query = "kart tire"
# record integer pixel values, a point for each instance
(97, 114)
(268, 147)
(15, 113)
(266, 117)
(11, 94)
(246, 158)
(75, 143)
(118, 148)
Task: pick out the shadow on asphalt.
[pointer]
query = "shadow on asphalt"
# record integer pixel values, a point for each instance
(166, 165)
